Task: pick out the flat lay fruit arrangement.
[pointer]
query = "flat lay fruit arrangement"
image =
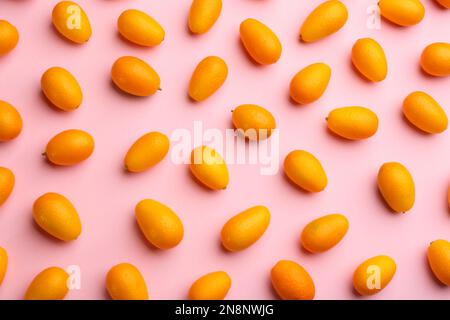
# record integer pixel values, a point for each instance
(117, 179)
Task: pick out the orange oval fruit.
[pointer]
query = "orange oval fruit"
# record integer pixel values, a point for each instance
(9, 37)
(291, 281)
(69, 147)
(50, 284)
(10, 122)
(125, 282)
(260, 41)
(211, 286)
(135, 76)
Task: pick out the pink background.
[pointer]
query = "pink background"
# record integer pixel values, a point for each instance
(105, 196)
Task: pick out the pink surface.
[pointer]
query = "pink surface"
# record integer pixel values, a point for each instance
(105, 196)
